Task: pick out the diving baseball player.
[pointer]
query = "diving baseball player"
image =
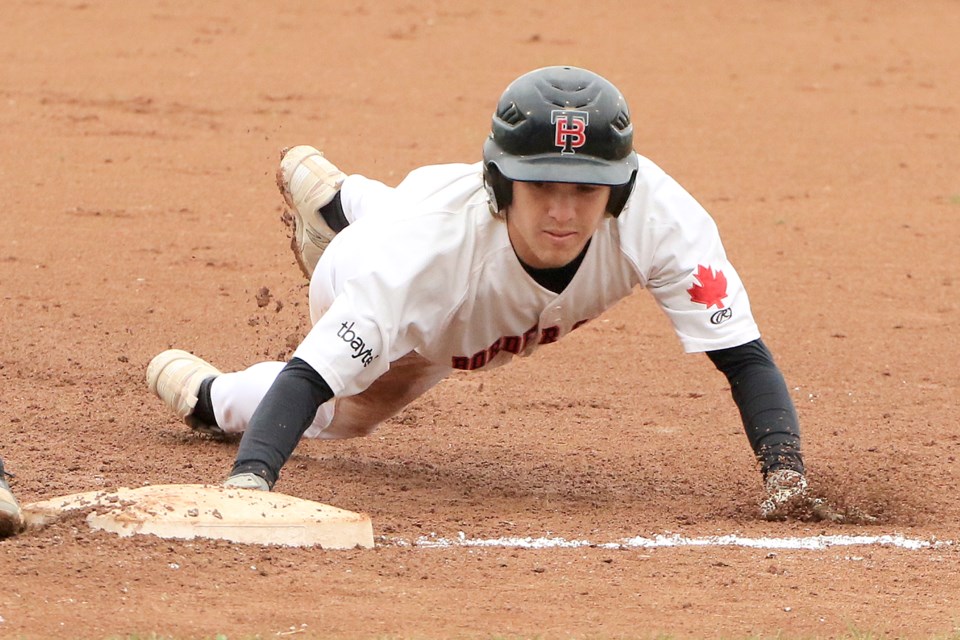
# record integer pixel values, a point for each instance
(467, 266)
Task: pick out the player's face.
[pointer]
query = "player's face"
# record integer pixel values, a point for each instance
(549, 223)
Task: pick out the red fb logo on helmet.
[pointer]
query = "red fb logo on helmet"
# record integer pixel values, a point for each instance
(571, 129)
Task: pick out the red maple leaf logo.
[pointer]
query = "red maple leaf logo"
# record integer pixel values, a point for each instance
(711, 288)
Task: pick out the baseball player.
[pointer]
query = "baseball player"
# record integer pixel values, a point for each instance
(11, 519)
(467, 266)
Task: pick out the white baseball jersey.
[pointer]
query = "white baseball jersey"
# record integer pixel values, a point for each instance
(426, 268)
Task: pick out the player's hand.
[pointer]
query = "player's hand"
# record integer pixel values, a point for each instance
(246, 481)
(786, 492)
(787, 496)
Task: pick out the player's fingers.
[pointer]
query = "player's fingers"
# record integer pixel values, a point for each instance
(786, 492)
(782, 505)
(768, 510)
(822, 510)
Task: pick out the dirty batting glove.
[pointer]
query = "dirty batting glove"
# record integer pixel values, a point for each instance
(786, 490)
(247, 481)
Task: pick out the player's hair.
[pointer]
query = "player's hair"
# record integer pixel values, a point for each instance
(560, 124)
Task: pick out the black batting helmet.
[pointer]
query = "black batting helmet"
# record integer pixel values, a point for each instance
(560, 124)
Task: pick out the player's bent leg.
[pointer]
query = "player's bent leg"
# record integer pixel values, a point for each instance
(175, 377)
(308, 182)
(235, 396)
(361, 196)
(407, 379)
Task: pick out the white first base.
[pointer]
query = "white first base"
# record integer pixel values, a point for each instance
(187, 511)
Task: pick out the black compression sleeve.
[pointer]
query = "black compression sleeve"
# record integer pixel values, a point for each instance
(761, 395)
(278, 423)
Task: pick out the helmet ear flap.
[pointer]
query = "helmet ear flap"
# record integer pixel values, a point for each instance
(499, 189)
(619, 195)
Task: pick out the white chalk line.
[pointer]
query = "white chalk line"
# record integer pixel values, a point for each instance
(813, 543)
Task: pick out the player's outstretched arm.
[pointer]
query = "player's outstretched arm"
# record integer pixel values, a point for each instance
(770, 421)
(275, 429)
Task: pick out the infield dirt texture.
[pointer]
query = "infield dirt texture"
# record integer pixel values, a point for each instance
(139, 212)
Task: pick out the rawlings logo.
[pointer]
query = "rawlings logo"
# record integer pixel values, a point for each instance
(571, 129)
(721, 316)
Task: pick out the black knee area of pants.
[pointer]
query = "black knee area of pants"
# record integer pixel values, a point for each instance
(204, 409)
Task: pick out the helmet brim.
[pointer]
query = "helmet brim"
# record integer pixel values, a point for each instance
(571, 168)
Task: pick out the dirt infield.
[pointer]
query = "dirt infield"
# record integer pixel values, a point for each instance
(140, 213)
